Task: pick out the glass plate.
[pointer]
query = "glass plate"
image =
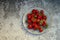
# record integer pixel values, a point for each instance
(49, 21)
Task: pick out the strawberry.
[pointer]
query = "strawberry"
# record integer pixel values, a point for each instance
(34, 11)
(38, 20)
(40, 29)
(35, 26)
(30, 26)
(45, 17)
(29, 21)
(29, 16)
(34, 23)
(32, 15)
(33, 19)
(40, 17)
(37, 14)
(42, 12)
(44, 24)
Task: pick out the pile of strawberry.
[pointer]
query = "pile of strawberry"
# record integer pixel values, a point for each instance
(36, 20)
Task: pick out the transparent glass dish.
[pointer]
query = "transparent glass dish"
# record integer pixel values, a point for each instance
(49, 21)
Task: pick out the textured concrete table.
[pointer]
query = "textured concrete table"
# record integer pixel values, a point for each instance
(10, 23)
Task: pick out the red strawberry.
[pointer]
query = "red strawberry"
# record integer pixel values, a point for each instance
(40, 29)
(37, 14)
(34, 23)
(35, 27)
(32, 15)
(40, 17)
(33, 19)
(29, 16)
(45, 17)
(44, 23)
(34, 11)
(29, 21)
(38, 20)
(30, 26)
(42, 12)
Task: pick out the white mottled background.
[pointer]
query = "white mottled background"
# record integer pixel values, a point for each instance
(11, 24)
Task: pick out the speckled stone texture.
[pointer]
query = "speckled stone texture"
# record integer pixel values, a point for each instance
(10, 20)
